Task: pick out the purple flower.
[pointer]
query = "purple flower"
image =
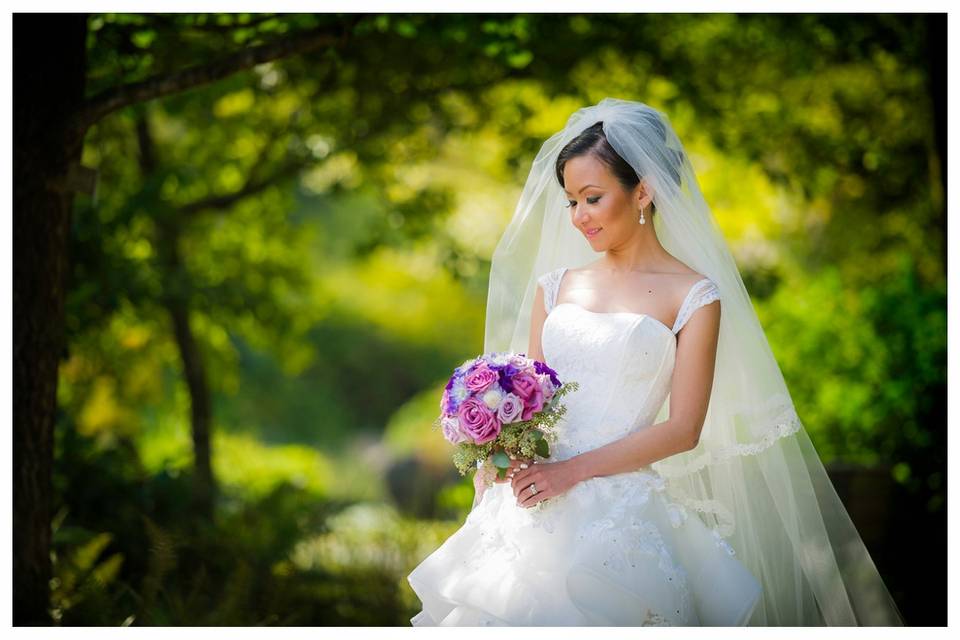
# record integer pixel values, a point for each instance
(510, 409)
(520, 361)
(451, 430)
(507, 372)
(541, 367)
(457, 394)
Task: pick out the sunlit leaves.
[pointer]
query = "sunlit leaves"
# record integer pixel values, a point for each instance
(252, 469)
(339, 168)
(234, 104)
(409, 296)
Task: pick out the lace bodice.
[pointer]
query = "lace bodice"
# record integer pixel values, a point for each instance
(623, 362)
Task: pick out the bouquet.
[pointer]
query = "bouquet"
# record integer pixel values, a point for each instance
(501, 405)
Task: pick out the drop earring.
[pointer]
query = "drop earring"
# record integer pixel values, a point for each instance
(642, 220)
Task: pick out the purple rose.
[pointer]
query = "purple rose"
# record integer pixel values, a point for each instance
(510, 409)
(451, 430)
(519, 361)
(477, 421)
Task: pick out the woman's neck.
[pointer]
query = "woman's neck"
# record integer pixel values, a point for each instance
(646, 254)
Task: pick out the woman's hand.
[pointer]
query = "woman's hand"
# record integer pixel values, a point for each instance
(479, 484)
(486, 475)
(552, 479)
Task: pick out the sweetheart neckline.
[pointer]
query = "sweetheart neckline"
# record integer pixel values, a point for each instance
(563, 270)
(616, 313)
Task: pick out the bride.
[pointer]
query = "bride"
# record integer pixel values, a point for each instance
(682, 488)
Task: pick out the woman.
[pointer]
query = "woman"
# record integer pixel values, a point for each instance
(682, 489)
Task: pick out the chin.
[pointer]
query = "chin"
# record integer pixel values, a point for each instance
(598, 247)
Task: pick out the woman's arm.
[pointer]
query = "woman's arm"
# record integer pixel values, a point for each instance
(538, 314)
(479, 484)
(689, 397)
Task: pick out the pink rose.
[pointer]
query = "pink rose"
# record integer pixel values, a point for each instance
(533, 404)
(525, 384)
(481, 378)
(528, 388)
(477, 421)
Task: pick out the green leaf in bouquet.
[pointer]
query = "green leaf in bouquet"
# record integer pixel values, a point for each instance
(542, 448)
(501, 460)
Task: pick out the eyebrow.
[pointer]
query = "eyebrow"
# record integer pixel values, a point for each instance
(585, 186)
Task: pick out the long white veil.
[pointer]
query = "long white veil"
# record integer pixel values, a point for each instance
(755, 476)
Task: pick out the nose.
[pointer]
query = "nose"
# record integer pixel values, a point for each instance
(579, 218)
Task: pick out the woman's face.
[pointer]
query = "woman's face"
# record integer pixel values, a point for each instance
(598, 202)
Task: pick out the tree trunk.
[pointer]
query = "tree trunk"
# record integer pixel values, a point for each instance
(49, 62)
(204, 484)
(175, 300)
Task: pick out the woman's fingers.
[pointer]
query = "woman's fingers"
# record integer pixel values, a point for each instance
(518, 465)
(515, 465)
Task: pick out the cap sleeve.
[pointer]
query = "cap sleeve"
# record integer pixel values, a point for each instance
(550, 282)
(701, 293)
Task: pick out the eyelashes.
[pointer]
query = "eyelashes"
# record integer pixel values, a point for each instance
(590, 200)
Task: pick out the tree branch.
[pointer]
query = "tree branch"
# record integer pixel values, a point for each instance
(252, 186)
(98, 106)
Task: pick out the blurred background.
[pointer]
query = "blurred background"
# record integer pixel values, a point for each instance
(274, 262)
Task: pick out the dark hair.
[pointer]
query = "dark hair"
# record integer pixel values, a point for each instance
(593, 141)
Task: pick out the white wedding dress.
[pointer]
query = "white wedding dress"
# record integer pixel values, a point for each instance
(613, 550)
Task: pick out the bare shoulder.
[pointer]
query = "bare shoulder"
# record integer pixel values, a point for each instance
(583, 269)
(683, 278)
(689, 280)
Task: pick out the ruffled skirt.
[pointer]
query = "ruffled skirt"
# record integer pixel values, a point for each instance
(612, 551)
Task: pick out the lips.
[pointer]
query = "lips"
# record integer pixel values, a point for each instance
(594, 232)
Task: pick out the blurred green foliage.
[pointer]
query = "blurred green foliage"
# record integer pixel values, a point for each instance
(331, 304)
